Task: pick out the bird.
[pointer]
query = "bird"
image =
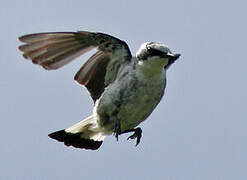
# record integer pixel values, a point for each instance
(125, 89)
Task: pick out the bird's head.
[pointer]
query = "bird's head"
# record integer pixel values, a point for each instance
(153, 51)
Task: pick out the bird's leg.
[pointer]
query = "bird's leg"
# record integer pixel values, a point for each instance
(137, 134)
(117, 128)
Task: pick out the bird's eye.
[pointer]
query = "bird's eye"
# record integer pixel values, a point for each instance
(155, 52)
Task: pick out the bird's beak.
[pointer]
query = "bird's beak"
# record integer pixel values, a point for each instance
(171, 59)
(172, 56)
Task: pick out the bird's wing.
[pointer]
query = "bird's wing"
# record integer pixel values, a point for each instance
(56, 49)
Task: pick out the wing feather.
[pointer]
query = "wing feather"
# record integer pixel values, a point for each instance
(56, 49)
(30, 38)
(92, 74)
(87, 70)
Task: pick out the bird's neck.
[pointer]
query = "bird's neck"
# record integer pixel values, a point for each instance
(152, 68)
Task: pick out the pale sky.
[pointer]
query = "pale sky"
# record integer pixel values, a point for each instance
(197, 132)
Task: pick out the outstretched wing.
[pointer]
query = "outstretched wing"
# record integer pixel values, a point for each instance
(56, 49)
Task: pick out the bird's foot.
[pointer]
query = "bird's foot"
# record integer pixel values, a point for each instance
(117, 129)
(137, 134)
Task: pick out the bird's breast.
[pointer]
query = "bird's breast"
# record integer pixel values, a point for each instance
(131, 98)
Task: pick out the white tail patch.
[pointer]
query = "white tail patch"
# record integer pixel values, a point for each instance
(89, 129)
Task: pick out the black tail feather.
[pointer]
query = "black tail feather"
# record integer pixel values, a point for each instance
(75, 140)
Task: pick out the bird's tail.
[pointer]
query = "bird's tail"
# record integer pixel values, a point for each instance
(85, 135)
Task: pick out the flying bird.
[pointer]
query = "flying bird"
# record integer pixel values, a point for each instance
(125, 89)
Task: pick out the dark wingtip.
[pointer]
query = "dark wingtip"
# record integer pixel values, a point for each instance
(75, 140)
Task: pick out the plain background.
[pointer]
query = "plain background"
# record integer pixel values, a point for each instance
(198, 131)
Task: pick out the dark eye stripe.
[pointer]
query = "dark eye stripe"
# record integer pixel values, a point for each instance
(151, 52)
(156, 53)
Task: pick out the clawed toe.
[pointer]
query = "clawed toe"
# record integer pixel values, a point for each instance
(137, 134)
